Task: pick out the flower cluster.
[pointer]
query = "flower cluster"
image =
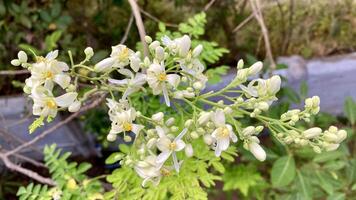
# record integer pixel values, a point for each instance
(173, 71)
(45, 73)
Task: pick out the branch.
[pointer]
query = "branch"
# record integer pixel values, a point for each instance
(127, 31)
(14, 72)
(243, 23)
(207, 6)
(156, 19)
(139, 24)
(256, 8)
(12, 166)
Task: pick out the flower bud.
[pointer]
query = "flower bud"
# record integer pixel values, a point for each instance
(154, 44)
(188, 123)
(194, 135)
(308, 103)
(190, 89)
(341, 135)
(15, 62)
(170, 121)
(158, 117)
(240, 64)
(258, 129)
(197, 50)
(151, 143)
(197, 85)
(188, 150)
(159, 51)
(208, 139)
(184, 79)
(263, 106)
(333, 129)
(184, 45)
(257, 151)
(255, 68)
(331, 146)
(204, 118)
(178, 95)
(104, 65)
(174, 128)
(316, 101)
(330, 137)
(248, 131)
(22, 57)
(88, 52)
(316, 149)
(148, 39)
(111, 137)
(74, 107)
(312, 132)
(274, 84)
(127, 138)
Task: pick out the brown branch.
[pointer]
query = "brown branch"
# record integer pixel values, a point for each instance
(256, 8)
(30, 160)
(12, 166)
(127, 31)
(243, 23)
(14, 72)
(139, 24)
(156, 19)
(207, 6)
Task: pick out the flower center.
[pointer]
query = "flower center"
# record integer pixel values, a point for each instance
(162, 77)
(172, 146)
(48, 75)
(127, 126)
(223, 132)
(165, 172)
(40, 59)
(123, 54)
(51, 104)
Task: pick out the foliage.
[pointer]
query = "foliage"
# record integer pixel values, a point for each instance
(71, 182)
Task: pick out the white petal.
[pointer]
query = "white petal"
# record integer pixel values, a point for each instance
(74, 107)
(181, 134)
(163, 143)
(162, 157)
(219, 118)
(135, 63)
(62, 80)
(22, 56)
(175, 162)
(52, 55)
(173, 80)
(165, 95)
(184, 45)
(118, 82)
(217, 150)
(136, 128)
(126, 72)
(104, 65)
(180, 145)
(67, 99)
(224, 143)
(161, 133)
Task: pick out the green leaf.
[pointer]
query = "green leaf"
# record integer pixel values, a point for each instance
(328, 156)
(283, 171)
(36, 124)
(350, 110)
(291, 94)
(336, 196)
(242, 178)
(304, 186)
(114, 157)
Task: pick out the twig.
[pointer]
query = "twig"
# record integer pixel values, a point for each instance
(127, 31)
(256, 8)
(207, 6)
(14, 72)
(30, 160)
(12, 166)
(243, 23)
(156, 19)
(139, 24)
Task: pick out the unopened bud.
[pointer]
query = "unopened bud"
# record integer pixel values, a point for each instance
(88, 52)
(194, 135)
(111, 137)
(148, 39)
(188, 150)
(240, 64)
(208, 139)
(255, 68)
(312, 132)
(158, 117)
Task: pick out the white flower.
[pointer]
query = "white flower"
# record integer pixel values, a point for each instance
(169, 147)
(119, 57)
(223, 132)
(263, 87)
(47, 71)
(149, 170)
(132, 84)
(158, 80)
(178, 46)
(123, 122)
(45, 104)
